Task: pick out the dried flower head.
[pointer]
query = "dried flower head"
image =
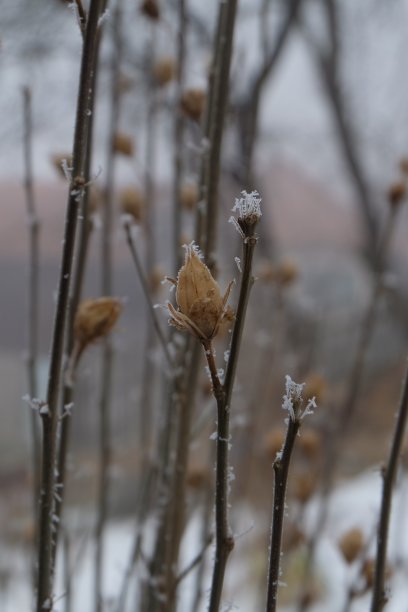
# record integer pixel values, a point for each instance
(404, 165)
(249, 212)
(310, 443)
(189, 196)
(396, 194)
(192, 103)
(132, 203)
(164, 71)
(123, 144)
(201, 307)
(95, 319)
(150, 8)
(274, 440)
(351, 544)
(304, 485)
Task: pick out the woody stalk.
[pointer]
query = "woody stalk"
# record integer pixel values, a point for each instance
(201, 309)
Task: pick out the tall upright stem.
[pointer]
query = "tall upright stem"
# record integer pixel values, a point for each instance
(106, 289)
(49, 413)
(379, 598)
(33, 290)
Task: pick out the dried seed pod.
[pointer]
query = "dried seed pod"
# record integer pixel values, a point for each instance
(123, 144)
(150, 8)
(201, 307)
(94, 319)
(315, 387)
(404, 165)
(351, 544)
(274, 440)
(304, 485)
(164, 71)
(189, 196)
(396, 194)
(287, 272)
(197, 477)
(132, 203)
(310, 442)
(192, 103)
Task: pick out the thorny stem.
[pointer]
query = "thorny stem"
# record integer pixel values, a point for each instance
(218, 103)
(33, 290)
(222, 393)
(50, 416)
(106, 288)
(281, 469)
(146, 292)
(379, 597)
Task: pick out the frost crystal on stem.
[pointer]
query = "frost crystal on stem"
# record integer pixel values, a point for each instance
(293, 400)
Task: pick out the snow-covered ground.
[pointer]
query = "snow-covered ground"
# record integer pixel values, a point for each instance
(353, 504)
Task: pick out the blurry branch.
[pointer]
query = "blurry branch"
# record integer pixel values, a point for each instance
(33, 293)
(247, 110)
(193, 564)
(49, 414)
(152, 311)
(179, 122)
(218, 98)
(106, 289)
(81, 15)
(379, 597)
(327, 62)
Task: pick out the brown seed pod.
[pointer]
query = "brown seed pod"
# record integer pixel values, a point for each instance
(310, 443)
(94, 319)
(150, 8)
(351, 544)
(189, 196)
(132, 203)
(396, 194)
(201, 307)
(123, 144)
(192, 103)
(274, 440)
(304, 485)
(164, 71)
(197, 478)
(315, 387)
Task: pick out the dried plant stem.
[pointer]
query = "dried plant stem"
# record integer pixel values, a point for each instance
(205, 530)
(50, 415)
(218, 101)
(281, 469)
(104, 458)
(379, 597)
(33, 292)
(179, 123)
(224, 541)
(146, 292)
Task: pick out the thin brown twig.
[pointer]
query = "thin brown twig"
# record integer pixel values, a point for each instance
(379, 596)
(49, 414)
(33, 293)
(218, 101)
(152, 311)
